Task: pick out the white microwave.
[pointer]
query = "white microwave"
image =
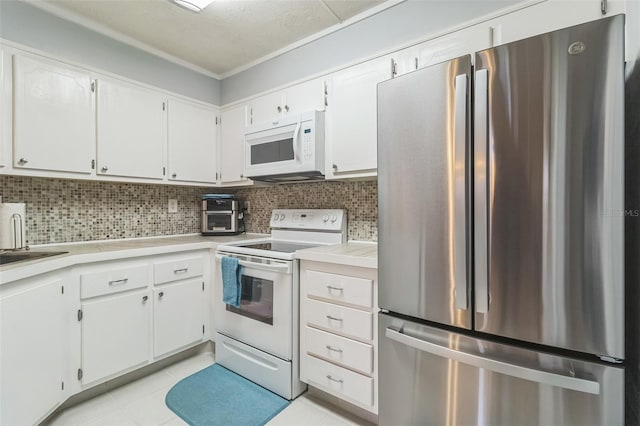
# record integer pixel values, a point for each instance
(289, 149)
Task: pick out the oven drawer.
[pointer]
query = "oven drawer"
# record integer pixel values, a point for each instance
(340, 319)
(177, 269)
(114, 280)
(340, 288)
(339, 380)
(355, 355)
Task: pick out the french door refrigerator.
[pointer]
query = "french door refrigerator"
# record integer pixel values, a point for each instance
(501, 256)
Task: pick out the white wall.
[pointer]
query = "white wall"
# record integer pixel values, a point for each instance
(30, 26)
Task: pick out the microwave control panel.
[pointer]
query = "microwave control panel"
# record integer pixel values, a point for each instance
(307, 143)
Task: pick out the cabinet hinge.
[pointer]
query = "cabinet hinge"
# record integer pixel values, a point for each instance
(202, 285)
(216, 175)
(80, 315)
(216, 120)
(163, 106)
(164, 171)
(61, 289)
(62, 385)
(604, 7)
(93, 164)
(394, 68)
(93, 86)
(251, 115)
(202, 328)
(79, 373)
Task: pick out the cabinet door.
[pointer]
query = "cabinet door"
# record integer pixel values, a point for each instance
(307, 96)
(115, 335)
(32, 338)
(130, 131)
(351, 133)
(232, 145)
(266, 108)
(178, 316)
(192, 135)
(54, 124)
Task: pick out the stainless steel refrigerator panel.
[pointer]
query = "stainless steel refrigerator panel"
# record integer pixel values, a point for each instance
(549, 189)
(423, 150)
(430, 376)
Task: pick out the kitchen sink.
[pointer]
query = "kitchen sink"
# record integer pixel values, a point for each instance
(18, 256)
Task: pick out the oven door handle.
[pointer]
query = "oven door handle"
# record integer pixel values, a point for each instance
(263, 266)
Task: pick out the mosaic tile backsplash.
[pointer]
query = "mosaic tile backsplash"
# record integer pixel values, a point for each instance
(61, 210)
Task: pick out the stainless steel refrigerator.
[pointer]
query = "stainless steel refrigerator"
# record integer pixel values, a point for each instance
(501, 235)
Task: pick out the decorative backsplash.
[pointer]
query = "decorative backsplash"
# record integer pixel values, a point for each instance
(359, 199)
(61, 210)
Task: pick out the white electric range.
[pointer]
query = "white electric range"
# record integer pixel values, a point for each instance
(259, 339)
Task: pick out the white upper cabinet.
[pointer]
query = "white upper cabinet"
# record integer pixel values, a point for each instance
(232, 130)
(351, 119)
(192, 139)
(54, 124)
(307, 96)
(550, 16)
(5, 110)
(131, 130)
(450, 46)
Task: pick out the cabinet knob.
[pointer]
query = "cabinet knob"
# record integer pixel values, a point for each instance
(335, 167)
(279, 108)
(286, 108)
(104, 169)
(145, 298)
(174, 175)
(23, 161)
(160, 294)
(241, 176)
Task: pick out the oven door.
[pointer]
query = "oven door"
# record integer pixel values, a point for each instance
(264, 319)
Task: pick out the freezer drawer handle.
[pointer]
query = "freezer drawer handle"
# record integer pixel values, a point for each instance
(331, 348)
(542, 377)
(330, 287)
(180, 270)
(334, 380)
(122, 281)
(334, 318)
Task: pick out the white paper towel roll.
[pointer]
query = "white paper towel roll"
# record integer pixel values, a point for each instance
(13, 222)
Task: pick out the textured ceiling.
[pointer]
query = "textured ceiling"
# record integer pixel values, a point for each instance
(228, 34)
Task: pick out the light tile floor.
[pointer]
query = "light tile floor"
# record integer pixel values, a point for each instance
(142, 403)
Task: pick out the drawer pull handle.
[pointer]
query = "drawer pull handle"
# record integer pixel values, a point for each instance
(160, 295)
(180, 271)
(334, 349)
(334, 380)
(122, 281)
(334, 318)
(330, 287)
(145, 298)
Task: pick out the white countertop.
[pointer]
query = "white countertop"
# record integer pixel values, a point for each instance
(353, 253)
(98, 251)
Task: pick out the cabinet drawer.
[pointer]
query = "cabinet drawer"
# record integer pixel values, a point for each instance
(113, 280)
(341, 288)
(339, 380)
(348, 321)
(177, 269)
(355, 355)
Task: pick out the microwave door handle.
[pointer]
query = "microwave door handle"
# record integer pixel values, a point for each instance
(296, 133)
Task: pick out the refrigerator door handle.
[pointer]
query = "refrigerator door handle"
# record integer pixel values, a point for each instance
(459, 170)
(538, 376)
(481, 188)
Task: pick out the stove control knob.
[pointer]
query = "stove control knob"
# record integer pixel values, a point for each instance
(275, 217)
(334, 218)
(282, 217)
(325, 218)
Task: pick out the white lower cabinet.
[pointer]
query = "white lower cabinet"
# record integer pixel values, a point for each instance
(338, 343)
(175, 327)
(115, 334)
(33, 344)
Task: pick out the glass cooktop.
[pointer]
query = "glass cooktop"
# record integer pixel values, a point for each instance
(279, 246)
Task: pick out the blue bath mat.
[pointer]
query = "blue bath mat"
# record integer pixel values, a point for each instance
(217, 396)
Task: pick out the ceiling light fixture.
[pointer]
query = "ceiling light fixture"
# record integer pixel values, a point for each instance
(193, 5)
